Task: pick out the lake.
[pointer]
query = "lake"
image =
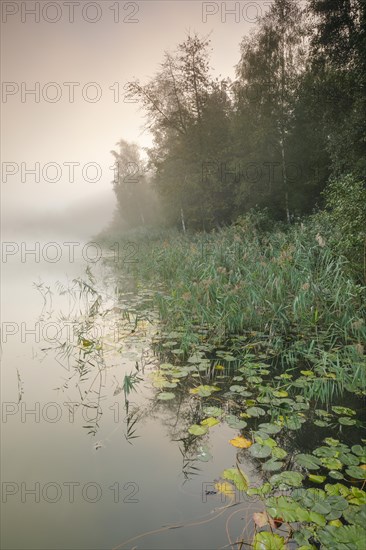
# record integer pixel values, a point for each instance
(79, 470)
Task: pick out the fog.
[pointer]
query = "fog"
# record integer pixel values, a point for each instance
(64, 105)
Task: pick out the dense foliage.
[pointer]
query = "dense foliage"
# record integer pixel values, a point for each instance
(293, 117)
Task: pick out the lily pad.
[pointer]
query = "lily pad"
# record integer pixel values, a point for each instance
(347, 421)
(212, 411)
(165, 396)
(260, 451)
(356, 472)
(237, 477)
(268, 541)
(256, 411)
(272, 465)
(209, 422)
(310, 462)
(292, 479)
(197, 430)
(270, 428)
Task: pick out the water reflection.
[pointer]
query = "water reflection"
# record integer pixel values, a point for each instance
(89, 444)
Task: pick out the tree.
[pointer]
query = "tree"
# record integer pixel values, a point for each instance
(268, 76)
(339, 69)
(185, 106)
(130, 185)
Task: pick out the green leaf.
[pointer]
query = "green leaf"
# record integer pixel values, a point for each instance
(260, 451)
(331, 442)
(317, 479)
(238, 477)
(283, 507)
(268, 541)
(292, 479)
(342, 538)
(272, 465)
(349, 459)
(356, 515)
(293, 423)
(346, 421)
(344, 411)
(332, 463)
(277, 452)
(356, 472)
(211, 421)
(204, 454)
(309, 462)
(270, 428)
(212, 411)
(256, 411)
(165, 396)
(195, 429)
(336, 475)
(235, 422)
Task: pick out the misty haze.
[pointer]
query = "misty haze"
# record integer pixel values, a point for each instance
(183, 275)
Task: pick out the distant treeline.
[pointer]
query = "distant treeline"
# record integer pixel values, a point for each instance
(292, 122)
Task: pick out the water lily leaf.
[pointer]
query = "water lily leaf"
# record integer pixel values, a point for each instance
(309, 462)
(357, 496)
(356, 472)
(325, 452)
(256, 411)
(343, 411)
(280, 393)
(254, 379)
(204, 391)
(212, 411)
(347, 421)
(337, 502)
(234, 422)
(166, 384)
(211, 421)
(331, 442)
(225, 488)
(322, 412)
(356, 515)
(349, 459)
(283, 507)
(237, 389)
(336, 475)
(165, 366)
(293, 422)
(307, 373)
(268, 541)
(237, 477)
(360, 451)
(277, 452)
(241, 442)
(337, 489)
(342, 538)
(292, 479)
(165, 396)
(272, 465)
(332, 463)
(195, 429)
(270, 428)
(260, 451)
(204, 454)
(317, 479)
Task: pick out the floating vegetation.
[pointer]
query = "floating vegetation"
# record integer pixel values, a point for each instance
(270, 344)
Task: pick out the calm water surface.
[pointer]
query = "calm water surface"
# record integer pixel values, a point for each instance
(65, 488)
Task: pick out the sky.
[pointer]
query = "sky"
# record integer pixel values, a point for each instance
(64, 68)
